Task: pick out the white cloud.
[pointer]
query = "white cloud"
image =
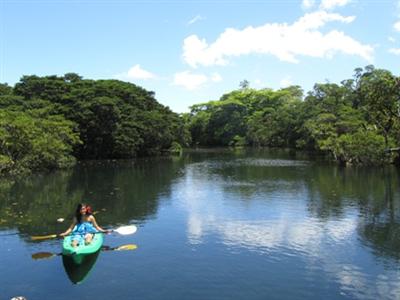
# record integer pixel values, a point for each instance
(252, 235)
(195, 19)
(189, 80)
(395, 51)
(307, 4)
(397, 26)
(285, 82)
(216, 77)
(136, 72)
(331, 4)
(318, 19)
(391, 39)
(284, 41)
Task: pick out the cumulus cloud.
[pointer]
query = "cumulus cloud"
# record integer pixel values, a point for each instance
(136, 72)
(286, 42)
(307, 4)
(395, 51)
(397, 26)
(285, 82)
(215, 77)
(331, 4)
(189, 80)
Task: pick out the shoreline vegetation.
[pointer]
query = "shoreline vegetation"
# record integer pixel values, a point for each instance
(50, 122)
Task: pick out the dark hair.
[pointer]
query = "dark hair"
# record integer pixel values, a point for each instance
(78, 215)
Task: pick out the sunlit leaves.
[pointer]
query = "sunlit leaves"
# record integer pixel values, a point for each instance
(113, 119)
(31, 143)
(354, 122)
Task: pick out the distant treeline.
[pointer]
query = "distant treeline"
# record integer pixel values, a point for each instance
(49, 122)
(357, 121)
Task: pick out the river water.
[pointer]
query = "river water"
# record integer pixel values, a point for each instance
(212, 224)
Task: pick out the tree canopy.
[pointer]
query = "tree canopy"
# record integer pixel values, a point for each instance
(356, 121)
(47, 122)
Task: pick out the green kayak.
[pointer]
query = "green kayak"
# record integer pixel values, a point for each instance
(82, 249)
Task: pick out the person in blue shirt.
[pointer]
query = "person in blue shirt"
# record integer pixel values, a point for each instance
(83, 227)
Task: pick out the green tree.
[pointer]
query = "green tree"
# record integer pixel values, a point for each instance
(379, 92)
(30, 143)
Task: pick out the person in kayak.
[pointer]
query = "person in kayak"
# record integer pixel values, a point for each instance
(83, 227)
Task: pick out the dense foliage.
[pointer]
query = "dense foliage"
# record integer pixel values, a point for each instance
(47, 122)
(357, 121)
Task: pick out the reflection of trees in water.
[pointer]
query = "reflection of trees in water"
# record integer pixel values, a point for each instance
(5, 203)
(380, 226)
(334, 189)
(126, 190)
(373, 192)
(131, 190)
(33, 204)
(248, 172)
(330, 190)
(384, 238)
(121, 191)
(369, 194)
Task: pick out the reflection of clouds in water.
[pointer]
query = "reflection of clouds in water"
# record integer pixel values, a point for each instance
(355, 283)
(194, 196)
(284, 228)
(343, 229)
(352, 281)
(251, 236)
(204, 201)
(311, 241)
(389, 287)
(303, 236)
(195, 229)
(306, 239)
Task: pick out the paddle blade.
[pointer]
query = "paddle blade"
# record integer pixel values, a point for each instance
(125, 230)
(43, 237)
(42, 255)
(126, 247)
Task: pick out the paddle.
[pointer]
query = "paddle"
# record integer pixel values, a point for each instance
(43, 255)
(7, 234)
(123, 230)
(120, 248)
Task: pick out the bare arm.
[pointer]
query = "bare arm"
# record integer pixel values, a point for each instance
(93, 220)
(69, 230)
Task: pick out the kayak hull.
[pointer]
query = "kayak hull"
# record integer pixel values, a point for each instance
(82, 249)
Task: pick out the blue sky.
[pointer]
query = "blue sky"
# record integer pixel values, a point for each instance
(189, 52)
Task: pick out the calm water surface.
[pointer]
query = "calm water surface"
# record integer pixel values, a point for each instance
(211, 225)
